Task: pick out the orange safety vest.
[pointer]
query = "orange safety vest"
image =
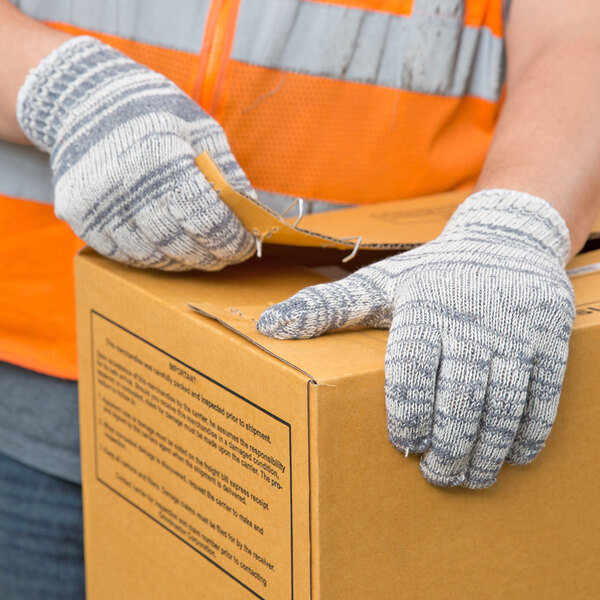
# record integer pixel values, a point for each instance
(347, 101)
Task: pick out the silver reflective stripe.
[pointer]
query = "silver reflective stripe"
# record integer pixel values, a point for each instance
(178, 25)
(280, 202)
(584, 270)
(25, 173)
(429, 52)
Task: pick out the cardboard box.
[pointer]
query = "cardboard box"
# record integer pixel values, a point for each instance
(219, 464)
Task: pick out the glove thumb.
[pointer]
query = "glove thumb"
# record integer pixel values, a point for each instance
(354, 300)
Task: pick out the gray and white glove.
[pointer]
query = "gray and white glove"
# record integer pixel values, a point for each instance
(480, 320)
(122, 141)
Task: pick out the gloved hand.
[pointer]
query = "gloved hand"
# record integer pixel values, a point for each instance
(122, 141)
(479, 319)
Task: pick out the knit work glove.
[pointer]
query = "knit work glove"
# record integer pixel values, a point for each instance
(122, 141)
(479, 320)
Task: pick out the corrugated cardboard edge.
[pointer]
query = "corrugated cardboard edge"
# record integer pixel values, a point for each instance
(584, 270)
(231, 328)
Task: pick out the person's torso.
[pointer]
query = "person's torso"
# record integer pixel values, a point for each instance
(345, 101)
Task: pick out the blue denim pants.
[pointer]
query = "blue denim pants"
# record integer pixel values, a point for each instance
(41, 535)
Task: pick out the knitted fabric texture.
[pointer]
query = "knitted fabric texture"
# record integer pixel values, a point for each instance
(122, 141)
(480, 320)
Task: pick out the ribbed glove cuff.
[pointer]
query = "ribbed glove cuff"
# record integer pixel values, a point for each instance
(512, 213)
(56, 85)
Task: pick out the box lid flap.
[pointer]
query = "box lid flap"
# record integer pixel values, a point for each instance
(391, 225)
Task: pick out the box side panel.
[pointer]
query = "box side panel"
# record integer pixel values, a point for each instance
(194, 452)
(384, 533)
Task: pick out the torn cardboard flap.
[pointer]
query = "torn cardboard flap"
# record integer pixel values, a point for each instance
(265, 224)
(396, 225)
(391, 225)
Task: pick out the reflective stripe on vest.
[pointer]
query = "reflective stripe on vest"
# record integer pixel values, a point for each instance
(25, 173)
(418, 54)
(345, 104)
(338, 100)
(178, 25)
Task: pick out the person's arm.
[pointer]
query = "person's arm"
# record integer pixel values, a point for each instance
(480, 317)
(547, 141)
(23, 44)
(122, 140)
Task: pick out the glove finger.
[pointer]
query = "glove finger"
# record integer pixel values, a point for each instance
(162, 246)
(181, 219)
(460, 393)
(411, 364)
(354, 300)
(540, 410)
(197, 208)
(156, 228)
(104, 243)
(208, 136)
(132, 206)
(137, 249)
(505, 403)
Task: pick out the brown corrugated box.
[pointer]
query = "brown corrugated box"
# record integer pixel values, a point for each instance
(221, 464)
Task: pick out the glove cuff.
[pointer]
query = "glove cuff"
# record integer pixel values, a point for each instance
(59, 82)
(509, 213)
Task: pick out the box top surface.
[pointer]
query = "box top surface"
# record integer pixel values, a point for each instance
(237, 296)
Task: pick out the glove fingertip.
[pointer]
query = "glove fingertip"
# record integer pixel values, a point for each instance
(519, 456)
(478, 484)
(310, 313)
(406, 441)
(280, 322)
(438, 473)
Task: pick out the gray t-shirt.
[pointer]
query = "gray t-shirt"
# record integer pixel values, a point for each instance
(39, 423)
